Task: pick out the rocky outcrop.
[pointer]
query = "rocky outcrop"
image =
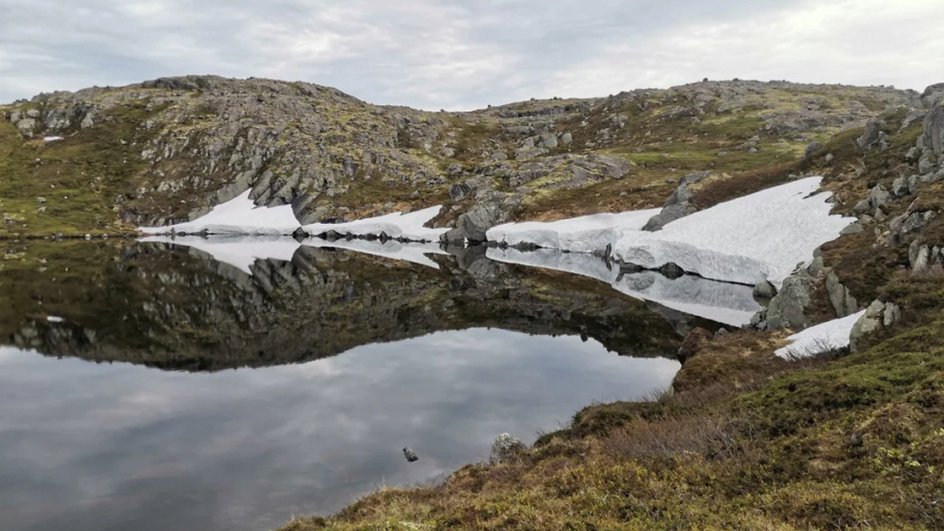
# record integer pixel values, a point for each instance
(931, 141)
(789, 307)
(678, 204)
(840, 297)
(923, 256)
(506, 448)
(873, 136)
(877, 316)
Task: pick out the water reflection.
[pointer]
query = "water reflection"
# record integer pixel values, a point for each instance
(355, 355)
(118, 446)
(173, 307)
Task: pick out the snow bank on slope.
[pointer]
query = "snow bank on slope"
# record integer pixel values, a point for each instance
(731, 304)
(774, 229)
(396, 225)
(820, 338)
(237, 216)
(582, 234)
(239, 252)
(241, 216)
(410, 252)
(758, 236)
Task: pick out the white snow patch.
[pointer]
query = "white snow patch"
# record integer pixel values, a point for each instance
(581, 234)
(237, 216)
(54, 319)
(820, 338)
(410, 252)
(396, 225)
(762, 235)
(239, 252)
(731, 304)
(51, 138)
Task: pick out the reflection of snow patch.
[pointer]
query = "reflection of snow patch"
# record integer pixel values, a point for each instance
(54, 319)
(821, 338)
(731, 304)
(761, 235)
(237, 216)
(410, 252)
(239, 252)
(409, 226)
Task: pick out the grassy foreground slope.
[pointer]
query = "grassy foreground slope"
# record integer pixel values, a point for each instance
(745, 440)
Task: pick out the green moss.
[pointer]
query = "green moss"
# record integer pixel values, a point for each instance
(73, 183)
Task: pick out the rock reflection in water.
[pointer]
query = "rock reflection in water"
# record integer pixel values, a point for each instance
(173, 307)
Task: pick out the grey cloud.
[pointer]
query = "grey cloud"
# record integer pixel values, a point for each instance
(462, 54)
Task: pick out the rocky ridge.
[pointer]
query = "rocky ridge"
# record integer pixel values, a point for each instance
(166, 150)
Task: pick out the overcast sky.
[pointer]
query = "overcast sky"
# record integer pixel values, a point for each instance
(462, 54)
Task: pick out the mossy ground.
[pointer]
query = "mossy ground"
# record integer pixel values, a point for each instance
(747, 441)
(70, 186)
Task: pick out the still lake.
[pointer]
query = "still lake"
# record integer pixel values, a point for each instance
(164, 386)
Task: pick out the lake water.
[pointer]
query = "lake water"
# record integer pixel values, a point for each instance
(153, 386)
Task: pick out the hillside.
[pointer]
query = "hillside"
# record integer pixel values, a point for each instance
(164, 151)
(848, 438)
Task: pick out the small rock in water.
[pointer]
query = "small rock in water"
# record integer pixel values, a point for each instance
(410, 454)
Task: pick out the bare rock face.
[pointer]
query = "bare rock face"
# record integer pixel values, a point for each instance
(933, 95)
(840, 297)
(931, 141)
(873, 136)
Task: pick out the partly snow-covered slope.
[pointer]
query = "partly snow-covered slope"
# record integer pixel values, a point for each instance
(237, 216)
(240, 216)
(731, 304)
(761, 235)
(820, 338)
(396, 225)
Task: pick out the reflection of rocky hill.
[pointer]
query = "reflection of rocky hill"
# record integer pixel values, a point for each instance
(168, 307)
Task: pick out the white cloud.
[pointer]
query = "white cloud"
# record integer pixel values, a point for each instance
(460, 54)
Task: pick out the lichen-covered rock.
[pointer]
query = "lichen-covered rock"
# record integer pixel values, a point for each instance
(788, 308)
(870, 321)
(873, 135)
(505, 448)
(839, 296)
(764, 290)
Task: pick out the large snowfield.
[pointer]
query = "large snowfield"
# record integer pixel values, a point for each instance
(764, 235)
